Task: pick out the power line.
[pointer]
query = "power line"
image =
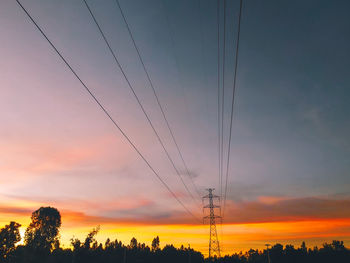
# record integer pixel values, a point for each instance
(233, 100)
(137, 99)
(104, 110)
(218, 83)
(223, 97)
(155, 95)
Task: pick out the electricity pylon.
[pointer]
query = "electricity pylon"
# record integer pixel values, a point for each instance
(214, 246)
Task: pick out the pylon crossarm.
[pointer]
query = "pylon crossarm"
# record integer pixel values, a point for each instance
(211, 206)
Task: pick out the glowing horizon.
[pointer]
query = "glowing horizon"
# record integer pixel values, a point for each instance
(237, 237)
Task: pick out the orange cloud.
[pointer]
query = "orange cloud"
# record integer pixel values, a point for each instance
(274, 209)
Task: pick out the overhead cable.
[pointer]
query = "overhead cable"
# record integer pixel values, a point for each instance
(105, 111)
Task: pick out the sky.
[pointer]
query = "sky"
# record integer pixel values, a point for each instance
(289, 172)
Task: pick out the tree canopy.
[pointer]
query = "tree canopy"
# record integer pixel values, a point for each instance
(9, 236)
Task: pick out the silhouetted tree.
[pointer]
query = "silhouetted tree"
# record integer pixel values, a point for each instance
(276, 253)
(84, 252)
(44, 228)
(155, 243)
(41, 234)
(9, 236)
(90, 238)
(133, 243)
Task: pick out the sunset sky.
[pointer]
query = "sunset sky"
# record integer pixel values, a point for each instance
(289, 176)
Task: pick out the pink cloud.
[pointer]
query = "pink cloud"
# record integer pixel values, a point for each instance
(35, 158)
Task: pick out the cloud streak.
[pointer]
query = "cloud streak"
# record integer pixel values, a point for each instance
(288, 210)
(265, 209)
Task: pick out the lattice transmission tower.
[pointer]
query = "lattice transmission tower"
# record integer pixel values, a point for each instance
(214, 246)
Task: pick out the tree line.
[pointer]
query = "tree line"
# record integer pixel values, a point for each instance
(41, 244)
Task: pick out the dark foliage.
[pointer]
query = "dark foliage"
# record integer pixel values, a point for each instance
(42, 246)
(334, 252)
(9, 236)
(43, 230)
